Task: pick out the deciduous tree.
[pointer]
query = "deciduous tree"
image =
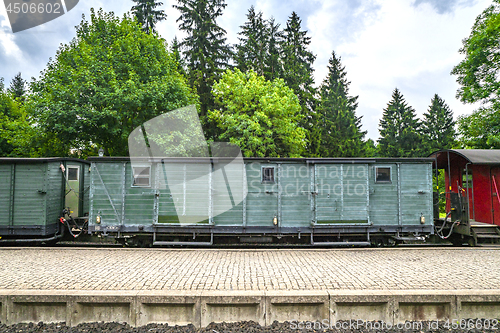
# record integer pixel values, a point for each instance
(109, 79)
(480, 130)
(479, 77)
(15, 131)
(261, 117)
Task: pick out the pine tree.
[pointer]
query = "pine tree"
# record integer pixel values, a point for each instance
(147, 15)
(253, 46)
(341, 134)
(273, 64)
(298, 74)
(176, 52)
(205, 48)
(17, 86)
(438, 126)
(399, 130)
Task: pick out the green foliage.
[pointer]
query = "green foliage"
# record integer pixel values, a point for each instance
(111, 78)
(480, 130)
(15, 130)
(253, 47)
(438, 185)
(273, 67)
(205, 48)
(370, 149)
(259, 46)
(399, 130)
(478, 72)
(18, 86)
(438, 126)
(479, 76)
(259, 116)
(341, 134)
(176, 53)
(298, 75)
(147, 15)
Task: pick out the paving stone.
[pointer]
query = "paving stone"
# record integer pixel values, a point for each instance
(248, 269)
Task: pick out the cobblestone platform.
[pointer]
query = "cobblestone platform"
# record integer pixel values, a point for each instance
(249, 270)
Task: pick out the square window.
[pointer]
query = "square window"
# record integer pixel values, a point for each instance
(72, 173)
(467, 182)
(142, 176)
(382, 174)
(268, 175)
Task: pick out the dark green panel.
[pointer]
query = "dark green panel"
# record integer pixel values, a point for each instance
(107, 179)
(139, 201)
(384, 209)
(342, 193)
(233, 216)
(86, 189)
(6, 171)
(262, 198)
(295, 184)
(228, 184)
(55, 195)
(184, 192)
(416, 193)
(30, 194)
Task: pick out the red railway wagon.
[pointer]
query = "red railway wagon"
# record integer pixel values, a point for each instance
(474, 173)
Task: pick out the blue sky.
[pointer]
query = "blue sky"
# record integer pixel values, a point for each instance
(384, 44)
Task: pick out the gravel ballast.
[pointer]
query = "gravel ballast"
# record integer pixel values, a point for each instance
(468, 326)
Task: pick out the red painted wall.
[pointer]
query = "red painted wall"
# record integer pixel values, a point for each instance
(495, 195)
(482, 193)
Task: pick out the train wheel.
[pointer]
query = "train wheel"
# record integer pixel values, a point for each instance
(471, 241)
(378, 242)
(456, 239)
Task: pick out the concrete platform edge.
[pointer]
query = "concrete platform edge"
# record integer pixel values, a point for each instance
(200, 308)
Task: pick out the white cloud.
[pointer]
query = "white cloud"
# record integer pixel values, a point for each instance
(412, 48)
(409, 44)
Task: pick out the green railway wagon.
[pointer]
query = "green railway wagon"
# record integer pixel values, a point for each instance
(34, 192)
(329, 201)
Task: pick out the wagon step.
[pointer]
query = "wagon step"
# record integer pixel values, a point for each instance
(488, 236)
(341, 243)
(167, 243)
(485, 234)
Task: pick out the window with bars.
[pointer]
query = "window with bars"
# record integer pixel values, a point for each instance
(268, 175)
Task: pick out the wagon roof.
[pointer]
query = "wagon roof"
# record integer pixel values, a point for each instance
(474, 156)
(343, 160)
(10, 160)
